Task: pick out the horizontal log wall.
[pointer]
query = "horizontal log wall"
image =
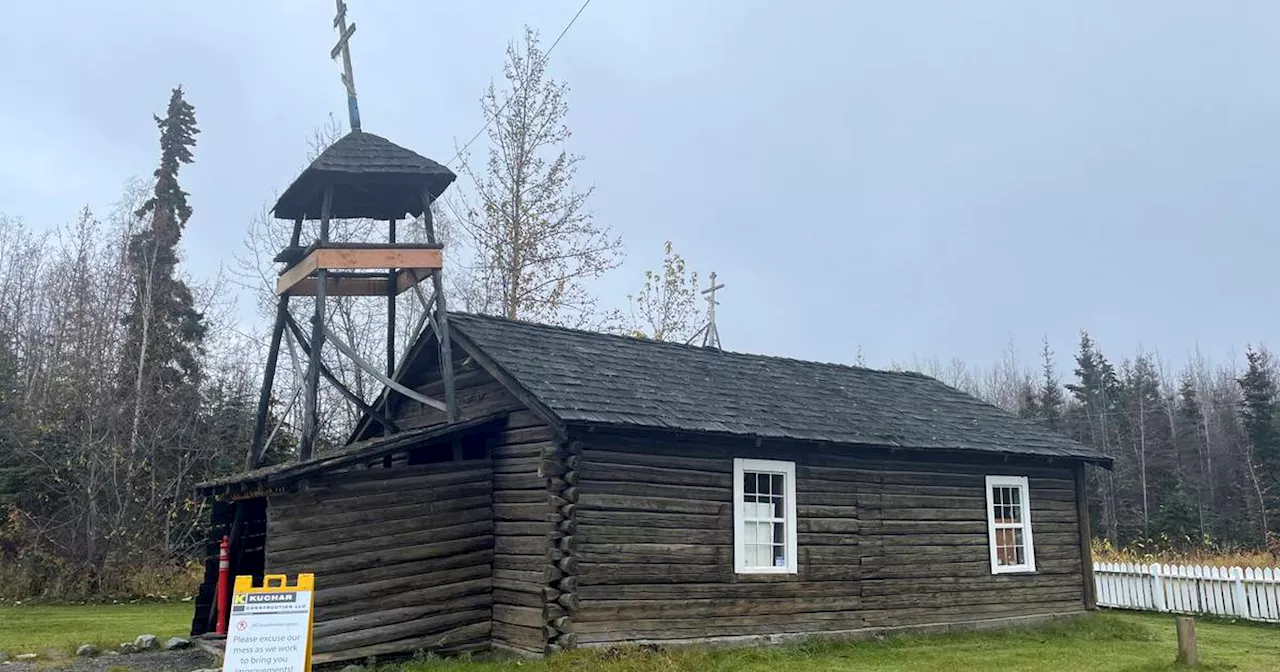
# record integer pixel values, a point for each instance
(521, 512)
(477, 392)
(403, 557)
(886, 541)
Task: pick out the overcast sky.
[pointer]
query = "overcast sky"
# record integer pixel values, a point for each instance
(915, 178)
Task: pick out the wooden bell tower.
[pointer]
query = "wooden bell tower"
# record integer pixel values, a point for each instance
(360, 176)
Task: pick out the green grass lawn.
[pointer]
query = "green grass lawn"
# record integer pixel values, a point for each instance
(58, 630)
(1108, 641)
(1105, 641)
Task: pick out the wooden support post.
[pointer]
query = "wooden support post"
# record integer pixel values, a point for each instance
(391, 305)
(1187, 653)
(442, 316)
(256, 447)
(337, 384)
(311, 414)
(1086, 539)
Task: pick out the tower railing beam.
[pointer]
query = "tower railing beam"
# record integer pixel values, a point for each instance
(442, 317)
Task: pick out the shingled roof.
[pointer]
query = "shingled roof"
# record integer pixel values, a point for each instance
(599, 379)
(371, 177)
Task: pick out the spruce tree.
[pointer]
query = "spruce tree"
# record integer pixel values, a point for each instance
(1028, 400)
(1194, 474)
(1258, 415)
(1049, 397)
(164, 331)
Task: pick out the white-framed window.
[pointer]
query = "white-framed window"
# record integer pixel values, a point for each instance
(1009, 525)
(764, 516)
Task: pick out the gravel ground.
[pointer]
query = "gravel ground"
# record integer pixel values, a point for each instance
(151, 661)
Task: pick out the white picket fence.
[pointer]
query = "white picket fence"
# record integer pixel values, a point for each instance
(1248, 593)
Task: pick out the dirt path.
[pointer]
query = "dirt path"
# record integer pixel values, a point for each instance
(151, 661)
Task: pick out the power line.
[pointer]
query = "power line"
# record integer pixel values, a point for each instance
(546, 55)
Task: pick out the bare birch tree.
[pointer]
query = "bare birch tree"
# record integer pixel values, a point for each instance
(665, 308)
(534, 242)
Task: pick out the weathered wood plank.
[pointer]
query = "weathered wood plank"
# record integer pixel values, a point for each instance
(519, 636)
(520, 545)
(599, 534)
(372, 480)
(617, 610)
(335, 593)
(1025, 595)
(311, 504)
(518, 598)
(390, 556)
(470, 637)
(613, 573)
(653, 456)
(376, 617)
(652, 504)
(593, 519)
(446, 532)
(659, 592)
(655, 553)
(371, 575)
(942, 584)
(516, 615)
(436, 623)
(522, 512)
(661, 491)
(286, 542)
(596, 470)
(365, 516)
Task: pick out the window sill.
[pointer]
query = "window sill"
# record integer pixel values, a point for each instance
(1013, 570)
(765, 577)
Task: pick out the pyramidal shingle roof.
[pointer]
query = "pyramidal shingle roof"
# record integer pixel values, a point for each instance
(600, 379)
(371, 177)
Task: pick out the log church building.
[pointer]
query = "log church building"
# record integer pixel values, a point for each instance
(599, 489)
(525, 488)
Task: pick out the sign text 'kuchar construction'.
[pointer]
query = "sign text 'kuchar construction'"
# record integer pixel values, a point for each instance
(270, 627)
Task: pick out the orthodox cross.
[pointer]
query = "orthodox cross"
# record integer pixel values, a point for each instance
(711, 338)
(342, 48)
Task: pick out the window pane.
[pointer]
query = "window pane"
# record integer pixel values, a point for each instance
(778, 510)
(779, 533)
(779, 556)
(761, 555)
(748, 482)
(776, 486)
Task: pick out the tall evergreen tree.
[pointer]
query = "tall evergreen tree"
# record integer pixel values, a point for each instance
(1095, 392)
(1190, 442)
(1029, 401)
(164, 331)
(1049, 397)
(1258, 414)
(1143, 426)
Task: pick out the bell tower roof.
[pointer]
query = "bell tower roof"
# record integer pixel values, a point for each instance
(370, 176)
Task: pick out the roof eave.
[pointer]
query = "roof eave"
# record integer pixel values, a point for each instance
(1086, 456)
(371, 449)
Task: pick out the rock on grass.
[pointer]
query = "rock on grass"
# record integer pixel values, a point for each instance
(145, 642)
(177, 643)
(85, 650)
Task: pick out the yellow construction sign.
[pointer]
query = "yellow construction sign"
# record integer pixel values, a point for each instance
(270, 627)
